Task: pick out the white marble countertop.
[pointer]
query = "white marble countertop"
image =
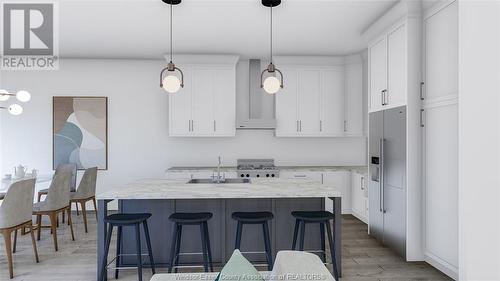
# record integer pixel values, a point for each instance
(180, 189)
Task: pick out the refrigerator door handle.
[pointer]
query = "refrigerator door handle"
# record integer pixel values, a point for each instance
(381, 174)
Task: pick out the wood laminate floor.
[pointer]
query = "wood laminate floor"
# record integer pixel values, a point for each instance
(364, 258)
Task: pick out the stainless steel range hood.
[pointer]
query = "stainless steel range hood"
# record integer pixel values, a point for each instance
(255, 108)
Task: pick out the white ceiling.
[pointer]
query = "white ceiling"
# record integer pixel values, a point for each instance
(139, 29)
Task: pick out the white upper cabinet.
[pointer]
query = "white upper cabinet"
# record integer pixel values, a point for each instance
(224, 103)
(206, 106)
(377, 55)
(354, 106)
(396, 67)
(309, 102)
(332, 103)
(203, 102)
(287, 122)
(319, 98)
(180, 109)
(387, 60)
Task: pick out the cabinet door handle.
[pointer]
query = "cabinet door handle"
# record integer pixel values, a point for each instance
(299, 176)
(300, 125)
(345, 125)
(215, 125)
(422, 90)
(189, 125)
(297, 125)
(386, 97)
(422, 118)
(321, 126)
(362, 183)
(192, 125)
(382, 97)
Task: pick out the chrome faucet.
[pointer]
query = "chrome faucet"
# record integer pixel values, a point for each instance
(219, 177)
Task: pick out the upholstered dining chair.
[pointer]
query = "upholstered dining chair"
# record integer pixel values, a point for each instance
(61, 169)
(15, 213)
(85, 193)
(71, 167)
(57, 201)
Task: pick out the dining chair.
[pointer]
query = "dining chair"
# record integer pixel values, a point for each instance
(85, 193)
(57, 201)
(71, 167)
(15, 213)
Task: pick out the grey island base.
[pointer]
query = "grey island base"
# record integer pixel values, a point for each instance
(162, 197)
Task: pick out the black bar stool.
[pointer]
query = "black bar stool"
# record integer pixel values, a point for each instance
(255, 218)
(181, 219)
(121, 220)
(323, 218)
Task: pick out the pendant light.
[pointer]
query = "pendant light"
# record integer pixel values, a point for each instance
(171, 82)
(14, 109)
(271, 84)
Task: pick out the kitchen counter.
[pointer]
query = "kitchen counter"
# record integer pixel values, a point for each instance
(180, 189)
(163, 197)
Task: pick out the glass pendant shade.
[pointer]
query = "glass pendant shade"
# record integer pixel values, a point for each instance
(23, 96)
(15, 109)
(4, 95)
(272, 85)
(171, 84)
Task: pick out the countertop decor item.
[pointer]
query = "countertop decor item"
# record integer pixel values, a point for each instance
(271, 84)
(22, 96)
(80, 133)
(171, 83)
(20, 171)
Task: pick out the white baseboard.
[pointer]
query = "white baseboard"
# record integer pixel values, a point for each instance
(360, 217)
(441, 265)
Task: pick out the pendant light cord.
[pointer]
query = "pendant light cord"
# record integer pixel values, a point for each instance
(271, 59)
(171, 48)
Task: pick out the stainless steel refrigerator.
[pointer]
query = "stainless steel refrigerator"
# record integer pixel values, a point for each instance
(387, 180)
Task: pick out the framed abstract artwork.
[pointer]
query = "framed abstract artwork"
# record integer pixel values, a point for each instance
(80, 132)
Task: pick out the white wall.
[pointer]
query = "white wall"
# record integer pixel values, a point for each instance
(479, 140)
(139, 145)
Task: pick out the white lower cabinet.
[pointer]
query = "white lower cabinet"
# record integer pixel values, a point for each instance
(176, 175)
(341, 180)
(299, 175)
(359, 196)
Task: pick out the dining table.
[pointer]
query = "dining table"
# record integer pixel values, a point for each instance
(6, 183)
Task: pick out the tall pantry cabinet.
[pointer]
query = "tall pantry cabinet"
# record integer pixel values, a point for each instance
(440, 136)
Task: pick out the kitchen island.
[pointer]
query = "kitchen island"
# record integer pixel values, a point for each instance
(162, 197)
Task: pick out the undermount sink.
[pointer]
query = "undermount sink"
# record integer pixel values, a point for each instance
(212, 181)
